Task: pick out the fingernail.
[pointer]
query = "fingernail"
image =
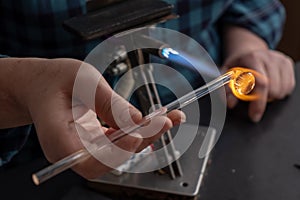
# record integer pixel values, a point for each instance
(256, 118)
(182, 118)
(180, 121)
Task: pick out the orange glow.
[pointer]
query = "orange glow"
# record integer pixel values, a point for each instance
(242, 83)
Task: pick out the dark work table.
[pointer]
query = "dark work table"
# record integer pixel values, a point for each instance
(256, 161)
(250, 162)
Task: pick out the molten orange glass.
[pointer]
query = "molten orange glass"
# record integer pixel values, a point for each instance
(242, 83)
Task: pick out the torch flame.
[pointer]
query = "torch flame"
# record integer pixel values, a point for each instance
(242, 83)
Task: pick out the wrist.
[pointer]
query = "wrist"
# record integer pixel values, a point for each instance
(13, 82)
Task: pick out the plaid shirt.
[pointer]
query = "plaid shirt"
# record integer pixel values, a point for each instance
(34, 28)
(203, 19)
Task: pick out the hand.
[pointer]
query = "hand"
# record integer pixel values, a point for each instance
(40, 91)
(276, 67)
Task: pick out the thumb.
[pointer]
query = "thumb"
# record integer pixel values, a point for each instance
(91, 88)
(115, 110)
(231, 99)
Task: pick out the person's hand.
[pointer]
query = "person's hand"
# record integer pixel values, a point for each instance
(244, 48)
(278, 70)
(41, 91)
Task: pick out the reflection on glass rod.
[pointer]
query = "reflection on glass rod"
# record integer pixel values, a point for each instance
(241, 81)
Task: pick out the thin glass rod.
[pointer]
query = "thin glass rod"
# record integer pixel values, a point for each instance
(83, 154)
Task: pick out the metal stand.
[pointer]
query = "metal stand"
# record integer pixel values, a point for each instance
(154, 99)
(153, 185)
(180, 179)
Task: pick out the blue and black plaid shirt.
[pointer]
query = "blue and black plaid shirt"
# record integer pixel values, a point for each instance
(34, 28)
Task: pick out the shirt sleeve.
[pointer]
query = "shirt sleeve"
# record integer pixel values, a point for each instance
(265, 18)
(11, 142)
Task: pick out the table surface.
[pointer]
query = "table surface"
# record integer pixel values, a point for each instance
(256, 161)
(250, 161)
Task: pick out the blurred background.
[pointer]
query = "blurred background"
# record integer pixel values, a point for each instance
(290, 43)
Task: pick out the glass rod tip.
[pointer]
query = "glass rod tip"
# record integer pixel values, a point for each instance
(35, 179)
(244, 83)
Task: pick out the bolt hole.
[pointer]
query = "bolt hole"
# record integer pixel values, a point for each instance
(184, 184)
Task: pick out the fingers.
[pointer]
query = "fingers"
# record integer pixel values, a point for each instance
(153, 131)
(109, 157)
(287, 75)
(257, 107)
(117, 112)
(66, 125)
(92, 89)
(109, 106)
(118, 152)
(113, 109)
(277, 68)
(177, 117)
(231, 99)
(281, 75)
(157, 126)
(61, 132)
(275, 82)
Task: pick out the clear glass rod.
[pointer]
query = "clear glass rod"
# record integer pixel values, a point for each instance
(82, 155)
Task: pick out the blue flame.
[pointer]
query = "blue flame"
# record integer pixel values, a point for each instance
(167, 51)
(205, 67)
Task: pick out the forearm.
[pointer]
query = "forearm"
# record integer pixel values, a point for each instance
(13, 112)
(239, 41)
(22, 82)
